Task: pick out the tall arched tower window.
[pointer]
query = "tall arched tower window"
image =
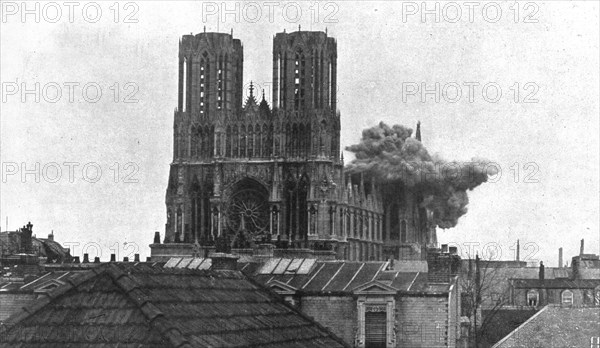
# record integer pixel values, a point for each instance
(299, 79)
(403, 232)
(243, 141)
(184, 84)
(194, 142)
(394, 222)
(220, 82)
(235, 139)
(228, 142)
(250, 141)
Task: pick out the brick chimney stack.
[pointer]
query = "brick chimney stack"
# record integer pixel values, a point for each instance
(442, 265)
(542, 271)
(223, 261)
(560, 257)
(575, 264)
(26, 241)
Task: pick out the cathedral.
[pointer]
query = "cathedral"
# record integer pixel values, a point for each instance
(251, 175)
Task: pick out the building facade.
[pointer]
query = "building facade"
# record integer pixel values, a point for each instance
(249, 172)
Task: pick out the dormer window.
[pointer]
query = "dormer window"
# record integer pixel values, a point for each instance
(567, 297)
(533, 298)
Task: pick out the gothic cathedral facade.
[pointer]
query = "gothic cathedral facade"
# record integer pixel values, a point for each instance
(252, 174)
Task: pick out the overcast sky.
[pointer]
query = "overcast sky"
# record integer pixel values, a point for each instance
(543, 131)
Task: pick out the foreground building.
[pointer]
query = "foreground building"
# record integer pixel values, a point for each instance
(367, 304)
(250, 172)
(145, 305)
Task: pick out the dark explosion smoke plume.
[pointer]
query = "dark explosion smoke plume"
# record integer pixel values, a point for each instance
(390, 155)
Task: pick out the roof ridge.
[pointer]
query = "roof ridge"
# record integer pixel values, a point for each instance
(155, 316)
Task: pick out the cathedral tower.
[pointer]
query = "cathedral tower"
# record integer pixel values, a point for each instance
(304, 92)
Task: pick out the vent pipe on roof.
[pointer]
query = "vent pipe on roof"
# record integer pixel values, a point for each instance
(581, 248)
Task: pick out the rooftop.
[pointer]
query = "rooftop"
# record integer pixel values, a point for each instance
(146, 305)
(326, 277)
(563, 327)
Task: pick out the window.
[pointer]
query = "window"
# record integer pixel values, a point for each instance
(533, 298)
(184, 85)
(403, 231)
(567, 297)
(595, 342)
(394, 222)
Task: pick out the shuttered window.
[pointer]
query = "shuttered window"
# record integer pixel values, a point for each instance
(375, 329)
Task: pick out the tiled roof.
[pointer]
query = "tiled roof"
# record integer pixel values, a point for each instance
(141, 305)
(563, 327)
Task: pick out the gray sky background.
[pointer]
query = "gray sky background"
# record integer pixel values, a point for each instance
(553, 201)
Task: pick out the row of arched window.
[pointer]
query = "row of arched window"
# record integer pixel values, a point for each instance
(249, 141)
(590, 297)
(359, 224)
(321, 79)
(189, 78)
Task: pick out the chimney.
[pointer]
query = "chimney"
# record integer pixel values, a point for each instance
(136, 258)
(575, 266)
(125, 259)
(113, 258)
(222, 261)
(76, 259)
(444, 248)
(96, 259)
(560, 258)
(156, 237)
(518, 250)
(542, 272)
(453, 250)
(51, 236)
(86, 258)
(442, 266)
(26, 242)
(581, 248)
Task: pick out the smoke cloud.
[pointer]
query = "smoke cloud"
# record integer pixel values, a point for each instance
(390, 155)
